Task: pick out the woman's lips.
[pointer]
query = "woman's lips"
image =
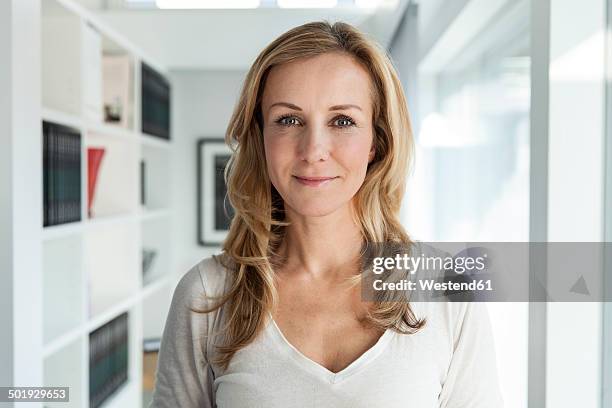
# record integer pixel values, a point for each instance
(314, 181)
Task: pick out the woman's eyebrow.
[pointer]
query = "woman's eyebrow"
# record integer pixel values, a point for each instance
(332, 108)
(344, 107)
(286, 104)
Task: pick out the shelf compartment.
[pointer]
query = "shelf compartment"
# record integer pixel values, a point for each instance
(156, 179)
(112, 262)
(117, 86)
(117, 181)
(63, 301)
(109, 80)
(61, 46)
(64, 368)
(129, 394)
(156, 246)
(155, 309)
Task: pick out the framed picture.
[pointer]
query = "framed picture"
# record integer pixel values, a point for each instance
(214, 210)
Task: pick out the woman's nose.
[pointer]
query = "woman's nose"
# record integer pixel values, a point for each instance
(314, 144)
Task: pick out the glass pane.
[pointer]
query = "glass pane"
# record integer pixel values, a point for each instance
(471, 178)
(476, 140)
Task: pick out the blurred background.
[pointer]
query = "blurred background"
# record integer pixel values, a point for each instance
(111, 119)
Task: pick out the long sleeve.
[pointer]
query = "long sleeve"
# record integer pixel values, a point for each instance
(472, 378)
(184, 376)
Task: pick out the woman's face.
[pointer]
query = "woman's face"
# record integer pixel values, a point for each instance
(318, 132)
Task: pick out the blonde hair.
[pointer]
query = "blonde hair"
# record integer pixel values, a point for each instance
(258, 225)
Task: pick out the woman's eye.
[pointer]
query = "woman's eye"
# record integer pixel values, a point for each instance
(288, 121)
(344, 121)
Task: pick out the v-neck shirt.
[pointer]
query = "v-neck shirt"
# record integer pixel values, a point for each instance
(284, 346)
(448, 363)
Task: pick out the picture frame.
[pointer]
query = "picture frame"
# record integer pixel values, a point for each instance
(214, 210)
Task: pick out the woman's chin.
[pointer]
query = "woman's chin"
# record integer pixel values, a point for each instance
(315, 209)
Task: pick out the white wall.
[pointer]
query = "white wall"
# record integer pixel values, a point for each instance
(202, 103)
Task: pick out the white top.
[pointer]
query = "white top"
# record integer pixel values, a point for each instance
(450, 362)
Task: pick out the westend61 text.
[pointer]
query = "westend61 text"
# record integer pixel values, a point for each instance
(432, 284)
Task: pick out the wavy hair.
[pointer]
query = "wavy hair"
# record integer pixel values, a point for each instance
(258, 225)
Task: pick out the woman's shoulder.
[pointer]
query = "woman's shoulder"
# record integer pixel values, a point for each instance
(454, 320)
(208, 277)
(214, 273)
(449, 310)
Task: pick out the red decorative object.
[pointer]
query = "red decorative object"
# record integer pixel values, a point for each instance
(94, 159)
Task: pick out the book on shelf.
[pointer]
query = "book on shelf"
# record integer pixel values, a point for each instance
(94, 161)
(108, 359)
(155, 103)
(61, 174)
(143, 174)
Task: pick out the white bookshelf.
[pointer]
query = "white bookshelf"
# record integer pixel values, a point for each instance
(92, 269)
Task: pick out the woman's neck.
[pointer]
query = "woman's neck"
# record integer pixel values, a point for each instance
(325, 247)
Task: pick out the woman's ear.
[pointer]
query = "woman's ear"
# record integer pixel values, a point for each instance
(372, 153)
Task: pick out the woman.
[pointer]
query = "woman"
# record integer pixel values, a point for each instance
(322, 143)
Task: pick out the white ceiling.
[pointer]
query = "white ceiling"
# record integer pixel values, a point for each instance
(228, 39)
